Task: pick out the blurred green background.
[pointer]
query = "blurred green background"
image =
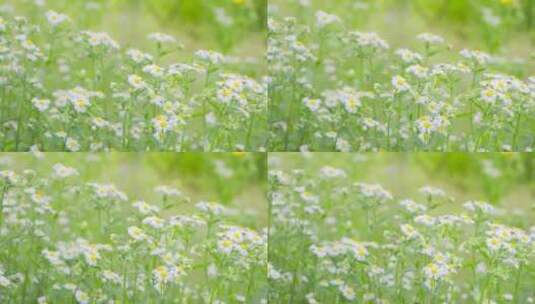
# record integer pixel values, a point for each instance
(231, 26)
(501, 27)
(237, 180)
(506, 180)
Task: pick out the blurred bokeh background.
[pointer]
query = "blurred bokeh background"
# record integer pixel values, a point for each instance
(506, 180)
(501, 27)
(233, 27)
(237, 180)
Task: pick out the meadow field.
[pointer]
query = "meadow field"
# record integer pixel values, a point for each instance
(400, 75)
(133, 228)
(267, 151)
(132, 75)
(401, 228)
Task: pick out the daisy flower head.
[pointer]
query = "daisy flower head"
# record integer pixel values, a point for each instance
(313, 104)
(63, 171)
(162, 38)
(210, 57)
(41, 104)
(136, 82)
(430, 38)
(55, 18)
(72, 144)
(136, 233)
(400, 84)
(324, 19)
(81, 297)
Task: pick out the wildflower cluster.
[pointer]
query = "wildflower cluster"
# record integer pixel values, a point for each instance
(68, 240)
(65, 89)
(347, 242)
(336, 89)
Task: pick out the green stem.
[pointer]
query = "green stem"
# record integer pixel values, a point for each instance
(19, 117)
(517, 284)
(124, 282)
(517, 128)
(249, 131)
(4, 191)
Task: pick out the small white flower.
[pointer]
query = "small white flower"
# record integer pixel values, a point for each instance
(111, 276)
(2, 24)
(432, 191)
(330, 172)
(162, 38)
(138, 56)
(412, 206)
(430, 38)
(418, 71)
(211, 119)
(145, 208)
(136, 82)
(494, 243)
(100, 39)
(489, 95)
(212, 271)
(41, 104)
(154, 70)
(136, 233)
(81, 297)
(323, 19)
(477, 56)
(481, 268)
(167, 191)
(400, 84)
(4, 282)
(80, 102)
(63, 171)
(72, 144)
(55, 18)
(312, 104)
(154, 222)
(435, 271)
(408, 56)
(409, 231)
(211, 57)
(348, 292)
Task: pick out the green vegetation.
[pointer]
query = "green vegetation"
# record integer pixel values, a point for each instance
(401, 228)
(338, 85)
(68, 87)
(115, 227)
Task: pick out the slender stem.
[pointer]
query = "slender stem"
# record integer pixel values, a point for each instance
(517, 283)
(4, 191)
(249, 131)
(289, 121)
(517, 128)
(19, 117)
